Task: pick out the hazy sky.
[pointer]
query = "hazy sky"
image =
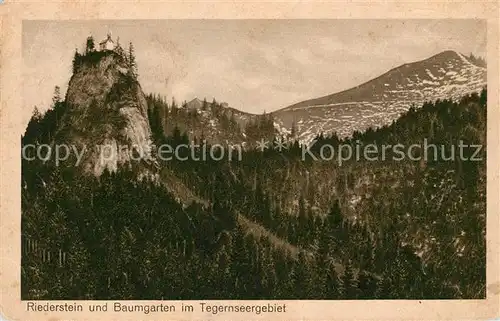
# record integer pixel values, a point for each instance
(254, 65)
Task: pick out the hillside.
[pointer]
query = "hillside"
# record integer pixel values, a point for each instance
(105, 106)
(412, 207)
(214, 122)
(361, 230)
(447, 75)
(273, 225)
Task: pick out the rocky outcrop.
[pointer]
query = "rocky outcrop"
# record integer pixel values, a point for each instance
(106, 115)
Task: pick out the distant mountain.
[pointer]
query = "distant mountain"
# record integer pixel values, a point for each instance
(194, 104)
(214, 122)
(270, 226)
(447, 75)
(241, 117)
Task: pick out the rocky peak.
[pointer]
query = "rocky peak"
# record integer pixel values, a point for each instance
(106, 113)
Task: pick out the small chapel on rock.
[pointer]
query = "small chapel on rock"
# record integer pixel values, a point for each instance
(107, 44)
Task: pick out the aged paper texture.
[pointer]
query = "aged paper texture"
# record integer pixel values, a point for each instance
(249, 160)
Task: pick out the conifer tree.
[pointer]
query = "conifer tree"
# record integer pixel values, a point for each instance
(367, 286)
(301, 277)
(204, 106)
(56, 98)
(383, 288)
(90, 47)
(119, 50)
(76, 61)
(349, 282)
(483, 98)
(332, 286)
(174, 107)
(36, 114)
(132, 65)
(293, 132)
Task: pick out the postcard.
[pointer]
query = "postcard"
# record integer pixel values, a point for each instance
(249, 160)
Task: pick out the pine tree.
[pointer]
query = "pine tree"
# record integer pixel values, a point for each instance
(293, 132)
(367, 286)
(119, 50)
(383, 288)
(302, 277)
(56, 98)
(132, 66)
(334, 219)
(332, 289)
(90, 47)
(176, 135)
(483, 98)
(204, 106)
(36, 114)
(174, 107)
(349, 282)
(76, 61)
(32, 132)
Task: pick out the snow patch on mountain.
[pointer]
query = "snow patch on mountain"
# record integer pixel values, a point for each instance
(448, 75)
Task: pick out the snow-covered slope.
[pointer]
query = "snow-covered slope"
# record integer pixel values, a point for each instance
(447, 75)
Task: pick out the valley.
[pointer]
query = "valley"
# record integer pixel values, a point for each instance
(271, 225)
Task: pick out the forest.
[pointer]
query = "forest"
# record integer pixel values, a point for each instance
(271, 226)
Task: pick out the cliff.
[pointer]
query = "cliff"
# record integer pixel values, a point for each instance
(106, 114)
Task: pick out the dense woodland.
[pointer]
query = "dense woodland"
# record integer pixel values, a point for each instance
(213, 123)
(271, 226)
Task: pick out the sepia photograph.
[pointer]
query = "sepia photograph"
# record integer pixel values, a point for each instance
(253, 159)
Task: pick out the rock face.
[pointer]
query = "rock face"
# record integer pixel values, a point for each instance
(447, 75)
(106, 115)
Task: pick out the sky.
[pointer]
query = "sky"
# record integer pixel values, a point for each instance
(253, 65)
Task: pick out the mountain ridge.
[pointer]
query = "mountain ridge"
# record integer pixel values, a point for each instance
(438, 55)
(376, 102)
